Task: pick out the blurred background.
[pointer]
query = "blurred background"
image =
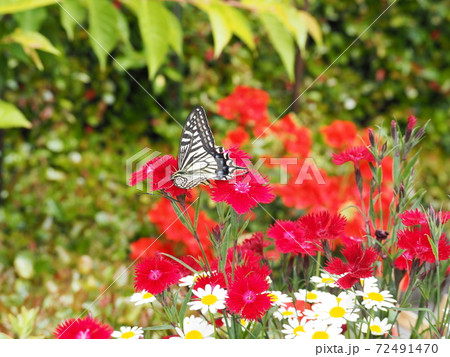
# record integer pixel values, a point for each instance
(70, 117)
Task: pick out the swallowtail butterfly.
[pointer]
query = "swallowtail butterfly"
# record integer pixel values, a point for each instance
(199, 159)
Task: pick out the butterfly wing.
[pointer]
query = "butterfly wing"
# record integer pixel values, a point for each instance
(199, 159)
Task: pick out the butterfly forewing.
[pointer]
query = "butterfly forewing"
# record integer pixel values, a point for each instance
(199, 159)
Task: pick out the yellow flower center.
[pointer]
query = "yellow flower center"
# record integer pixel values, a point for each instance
(320, 335)
(337, 312)
(147, 296)
(287, 313)
(209, 299)
(128, 334)
(375, 297)
(298, 329)
(375, 328)
(311, 296)
(193, 335)
(327, 280)
(273, 297)
(243, 322)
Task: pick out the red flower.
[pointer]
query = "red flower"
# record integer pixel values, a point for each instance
(413, 218)
(245, 193)
(248, 297)
(157, 172)
(214, 279)
(339, 134)
(238, 136)
(417, 245)
(147, 247)
(245, 104)
(240, 157)
(165, 219)
(358, 266)
(355, 154)
(289, 238)
(296, 138)
(155, 275)
(412, 121)
(86, 327)
(322, 225)
(255, 243)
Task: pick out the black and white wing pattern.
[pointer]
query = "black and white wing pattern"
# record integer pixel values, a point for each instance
(199, 159)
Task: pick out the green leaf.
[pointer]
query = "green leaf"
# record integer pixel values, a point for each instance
(12, 6)
(313, 26)
(158, 328)
(11, 117)
(298, 28)
(175, 33)
(240, 26)
(220, 27)
(31, 20)
(281, 40)
(154, 29)
(30, 42)
(70, 11)
(124, 29)
(103, 29)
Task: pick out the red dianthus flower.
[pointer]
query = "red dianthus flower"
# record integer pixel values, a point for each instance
(85, 328)
(155, 275)
(248, 297)
(244, 193)
(355, 154)
(358, 266)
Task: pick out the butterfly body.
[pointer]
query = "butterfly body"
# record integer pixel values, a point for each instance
(199, 159)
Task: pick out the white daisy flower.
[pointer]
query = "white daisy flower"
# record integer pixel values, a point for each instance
(294, 328)
(376, 300)
(127, 332)
(278, 298)
(195, 328)
(242, 322)
(286, 313)
(376, 326)
(309, 296)
(324, 280)
(190, 280)
(143, 297)
(372, 281)
(336, 310)
(320, 330)
(210, 299)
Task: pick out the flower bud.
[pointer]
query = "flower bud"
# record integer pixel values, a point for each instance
(381, 235)
(371, 137)
(394, 129)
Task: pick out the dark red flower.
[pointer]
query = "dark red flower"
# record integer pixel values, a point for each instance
(355, 154)
(87, 327)
(157, 173)
(358, 266)
(255, 243)
(155, 275)
(244, 193)
(289, 238)
(322, 225)
(339, 134)
(417, 245)
(147, 247)
(246, 105)
(248, 297)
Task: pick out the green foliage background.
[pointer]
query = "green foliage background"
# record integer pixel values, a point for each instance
(67, 216)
